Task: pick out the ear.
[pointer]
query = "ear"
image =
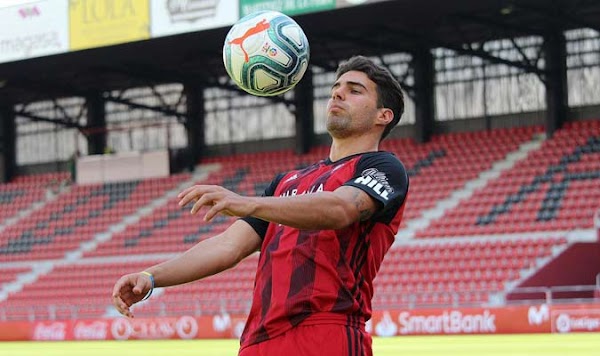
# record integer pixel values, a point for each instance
(385, 116)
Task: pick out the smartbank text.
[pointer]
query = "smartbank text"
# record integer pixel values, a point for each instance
(453, 322)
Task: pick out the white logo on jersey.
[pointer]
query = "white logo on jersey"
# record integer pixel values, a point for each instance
(377, 181)
(338, 167)
(291, 178)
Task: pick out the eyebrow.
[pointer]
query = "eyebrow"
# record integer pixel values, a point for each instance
(351, 83)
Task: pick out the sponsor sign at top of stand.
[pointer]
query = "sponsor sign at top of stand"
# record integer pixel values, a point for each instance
(347, 3)
(289, 7)
(96, 23)
(34, 29)
(170, 17)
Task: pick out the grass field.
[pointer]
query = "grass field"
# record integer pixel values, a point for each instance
(495, 345)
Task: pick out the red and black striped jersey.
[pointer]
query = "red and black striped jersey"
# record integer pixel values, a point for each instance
(325, 276)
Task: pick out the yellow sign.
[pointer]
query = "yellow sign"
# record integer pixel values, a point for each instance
(95, 23)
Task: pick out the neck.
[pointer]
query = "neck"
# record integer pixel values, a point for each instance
(341, 148)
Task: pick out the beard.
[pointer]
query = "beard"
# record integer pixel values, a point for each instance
(339, 126)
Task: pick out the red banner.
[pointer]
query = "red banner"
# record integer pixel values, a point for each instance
(575, 318)
(449, 321)
(519, 319)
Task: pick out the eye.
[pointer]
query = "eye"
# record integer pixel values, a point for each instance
(355, 91)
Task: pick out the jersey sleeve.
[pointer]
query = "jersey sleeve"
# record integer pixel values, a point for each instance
(383, 177)
(259, 225)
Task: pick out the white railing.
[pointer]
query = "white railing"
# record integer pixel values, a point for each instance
(384, 300)
(554, 295)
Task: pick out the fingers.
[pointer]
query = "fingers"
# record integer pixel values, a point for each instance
(139, 286)
(126, 292)
(185, 192)
(216, 208)
(206, 199)
(193, 193)
(206, 195)
(120, 304)
(122, 307)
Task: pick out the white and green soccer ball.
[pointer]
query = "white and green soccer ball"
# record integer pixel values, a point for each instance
(266, 53)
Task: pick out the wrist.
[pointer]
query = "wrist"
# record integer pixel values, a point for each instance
(151, 277)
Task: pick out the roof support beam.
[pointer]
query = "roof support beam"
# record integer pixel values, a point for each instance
(132, 104)
(64, 123)
(467, 50)
(561, 17)
(96, 123)
(8, 144)
(557, 102)
(424, 74)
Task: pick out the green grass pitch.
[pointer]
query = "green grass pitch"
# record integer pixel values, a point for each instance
(494, 345)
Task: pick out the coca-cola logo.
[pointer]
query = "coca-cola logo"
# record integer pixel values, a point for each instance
(96, 330)
(53, 331)
(185, 327)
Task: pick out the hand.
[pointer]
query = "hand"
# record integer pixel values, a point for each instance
(128, 290)
(219, 199)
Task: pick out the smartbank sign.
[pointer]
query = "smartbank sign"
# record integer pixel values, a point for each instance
(447, 322)
(456, 321)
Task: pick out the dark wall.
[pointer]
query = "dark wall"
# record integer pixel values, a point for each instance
(577, 265)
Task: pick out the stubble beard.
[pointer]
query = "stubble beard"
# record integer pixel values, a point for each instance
(339, 127)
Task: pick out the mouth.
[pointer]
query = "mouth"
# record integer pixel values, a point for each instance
(335, 107)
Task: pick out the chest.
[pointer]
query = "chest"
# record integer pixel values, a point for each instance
(314, 179)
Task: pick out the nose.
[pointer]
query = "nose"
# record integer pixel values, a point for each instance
(337, 93)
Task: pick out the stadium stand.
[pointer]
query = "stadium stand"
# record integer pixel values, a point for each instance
(461, 269)
(555, 188)
(22, 193)
(76, 216)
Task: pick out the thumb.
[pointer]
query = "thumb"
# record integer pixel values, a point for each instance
(139, 285)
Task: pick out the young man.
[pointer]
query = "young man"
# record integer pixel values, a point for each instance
(322, 231)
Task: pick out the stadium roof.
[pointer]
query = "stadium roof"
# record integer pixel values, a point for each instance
(374, 29)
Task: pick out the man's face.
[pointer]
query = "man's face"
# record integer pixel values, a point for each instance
(352, 108)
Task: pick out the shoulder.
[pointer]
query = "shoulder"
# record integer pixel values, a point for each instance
(382, 161)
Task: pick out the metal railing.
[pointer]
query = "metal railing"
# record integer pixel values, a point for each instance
(555, 294)
(383, 301)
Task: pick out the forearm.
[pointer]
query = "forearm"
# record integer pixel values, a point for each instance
(317, 211)
(208, 257)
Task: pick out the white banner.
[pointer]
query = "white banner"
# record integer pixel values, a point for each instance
(170, 17)
(34, 29)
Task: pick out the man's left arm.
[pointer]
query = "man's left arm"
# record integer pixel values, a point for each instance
(317, 211)
(377, 183)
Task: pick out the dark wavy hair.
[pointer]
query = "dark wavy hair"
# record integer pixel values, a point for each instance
(389, 91)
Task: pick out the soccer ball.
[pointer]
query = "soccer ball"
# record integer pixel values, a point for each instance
(266, 53)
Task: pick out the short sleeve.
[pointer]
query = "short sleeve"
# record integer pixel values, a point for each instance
(384, 178)
(259, 225)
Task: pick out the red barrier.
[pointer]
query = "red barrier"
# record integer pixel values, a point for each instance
(447, 321)
(451, 321)
(576, 318)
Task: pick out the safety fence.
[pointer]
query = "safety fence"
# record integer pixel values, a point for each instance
(534, 318)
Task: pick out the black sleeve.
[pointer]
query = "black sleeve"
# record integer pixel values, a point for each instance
(384, 178)
(259, 225)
